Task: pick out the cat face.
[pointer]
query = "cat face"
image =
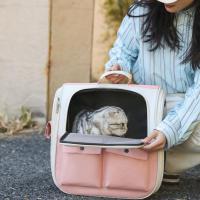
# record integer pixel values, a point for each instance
(111, 121)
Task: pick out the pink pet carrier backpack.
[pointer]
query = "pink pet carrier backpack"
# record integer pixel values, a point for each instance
(106, 166)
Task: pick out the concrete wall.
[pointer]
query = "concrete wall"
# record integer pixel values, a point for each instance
(71, 43)
(100, 47)
(24, 44)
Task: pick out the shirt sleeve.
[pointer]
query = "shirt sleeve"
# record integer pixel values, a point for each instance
(125, 49)
(179, 119)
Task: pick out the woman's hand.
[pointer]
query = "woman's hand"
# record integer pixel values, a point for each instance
(116, 78)
(155, 141)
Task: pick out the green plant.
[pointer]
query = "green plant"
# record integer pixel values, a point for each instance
(114, 12)
(12, 126)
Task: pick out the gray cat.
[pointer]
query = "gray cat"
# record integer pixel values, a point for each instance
(108, 120)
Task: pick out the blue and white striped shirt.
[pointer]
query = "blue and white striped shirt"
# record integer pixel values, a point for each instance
(161, 67)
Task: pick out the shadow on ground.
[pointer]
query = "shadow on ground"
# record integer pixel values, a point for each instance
(25, 174)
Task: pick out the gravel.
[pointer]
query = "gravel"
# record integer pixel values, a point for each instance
(25, 174)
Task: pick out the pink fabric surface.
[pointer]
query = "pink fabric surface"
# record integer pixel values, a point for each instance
(78, 150)
(132, 153)
(107, 172)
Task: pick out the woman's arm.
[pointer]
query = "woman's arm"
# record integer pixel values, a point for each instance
(125, 50)
(176, 124)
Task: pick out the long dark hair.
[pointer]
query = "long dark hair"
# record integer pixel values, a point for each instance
(159, 29)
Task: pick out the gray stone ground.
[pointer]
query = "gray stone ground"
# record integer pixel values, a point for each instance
(25, 174)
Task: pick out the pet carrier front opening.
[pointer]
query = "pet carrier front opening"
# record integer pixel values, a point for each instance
(132, 103)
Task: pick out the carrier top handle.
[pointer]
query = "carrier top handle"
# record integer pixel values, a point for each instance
(128, 76)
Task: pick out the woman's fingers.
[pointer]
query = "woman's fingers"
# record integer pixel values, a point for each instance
(119, 79)
(150, 137)
(157, 148)
(115, 78)
(155, 145)
(155, 141)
